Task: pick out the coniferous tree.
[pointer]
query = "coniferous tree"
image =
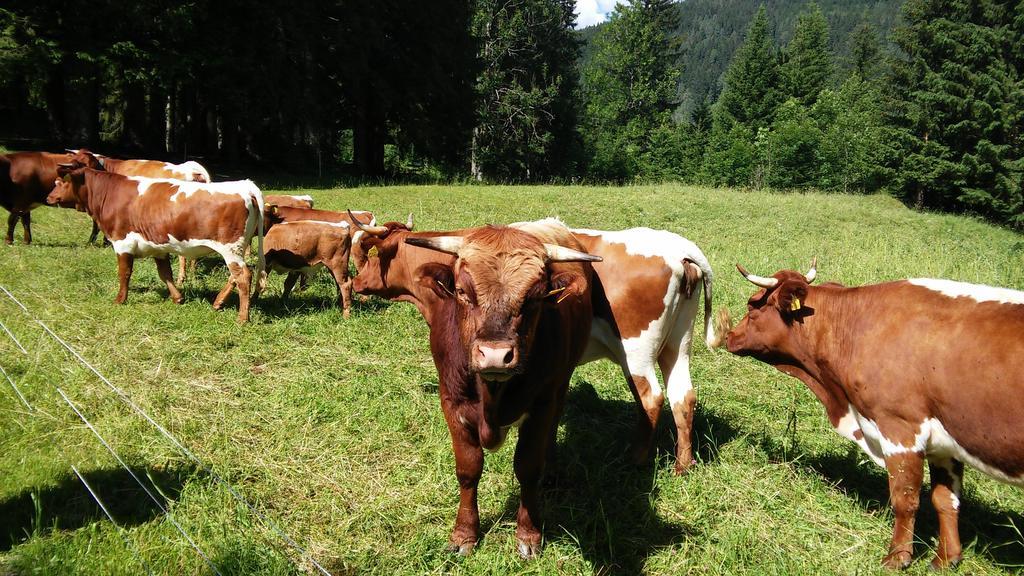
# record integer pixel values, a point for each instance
(525, 115)
(807, 68)
(630, 88)
(747, 105)
(959, 109)
(865, 50)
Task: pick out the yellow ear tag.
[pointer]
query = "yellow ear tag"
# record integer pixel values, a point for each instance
(795, 304)
(372, 252)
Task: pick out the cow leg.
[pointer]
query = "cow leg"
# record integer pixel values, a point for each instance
(163, 269)
(26, 225)
(243, 281)
(218, 302)
(289, 283)
(125, 262)
(646, 389)
(340, 273)
(534, 437)
(12, 221)
(906, 471)
(303, 282)
(95, 232)
(469, 466)
(181, 270)
(675, 367)
(947, 479)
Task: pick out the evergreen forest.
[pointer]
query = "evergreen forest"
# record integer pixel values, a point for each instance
(922, 99)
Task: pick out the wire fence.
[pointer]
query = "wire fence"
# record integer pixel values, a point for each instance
(266, 521)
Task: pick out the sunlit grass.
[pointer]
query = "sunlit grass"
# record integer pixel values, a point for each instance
(333, 428)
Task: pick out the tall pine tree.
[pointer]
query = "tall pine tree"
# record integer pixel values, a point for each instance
(630, 87)
(960, 108)
(526, 117)
(747, 106)
(807, 68)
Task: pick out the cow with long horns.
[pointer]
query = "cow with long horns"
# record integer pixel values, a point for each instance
(911, 371)
(646, 297)
(509, 322)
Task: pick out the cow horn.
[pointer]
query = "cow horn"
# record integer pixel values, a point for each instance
(66, 165)
(369, 229)
(758, 280)
(813, 272)
(71, 150)
(449, 244)
(408, 221)
(558, 253)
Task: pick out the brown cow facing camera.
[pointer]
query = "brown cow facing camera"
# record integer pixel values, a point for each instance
(509, 322)
(912, 371)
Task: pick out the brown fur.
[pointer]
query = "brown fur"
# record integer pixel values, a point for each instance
(901, 354)
(496, 289)
(26, 178)
(114, 203)
(293, 246)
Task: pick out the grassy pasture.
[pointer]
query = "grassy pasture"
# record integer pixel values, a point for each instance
(333, 428)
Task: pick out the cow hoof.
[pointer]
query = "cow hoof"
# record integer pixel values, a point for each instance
(897, 560)
(939, 563)
(527, 550)
(463, 549)
(683, 469)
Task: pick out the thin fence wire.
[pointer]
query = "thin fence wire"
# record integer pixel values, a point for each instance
(120, 530)
(174, 441)
(99, 502)
(16, 390)
(16, 343)
(167, 513)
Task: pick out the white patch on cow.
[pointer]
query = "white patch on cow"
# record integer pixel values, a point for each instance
(137, 245)
(848, 426)
(301, 223)
(932, 440)
(244, 189)
(304, 198)
(652, 243)
(977, 292)
(187, 170)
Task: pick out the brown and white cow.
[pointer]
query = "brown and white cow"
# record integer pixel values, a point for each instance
(912, 371)
(645, 299)
(145, 217)
(298, 248)
(510, 320)
(26, 178)
(269, 200)
(190, 171)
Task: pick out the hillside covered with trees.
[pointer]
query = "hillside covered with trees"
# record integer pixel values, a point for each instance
(924, 98)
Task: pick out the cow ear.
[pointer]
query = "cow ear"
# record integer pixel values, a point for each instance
(790, 299)
(437, 277)
(566, 285)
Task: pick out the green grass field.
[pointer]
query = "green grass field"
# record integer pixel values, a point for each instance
(333, 427)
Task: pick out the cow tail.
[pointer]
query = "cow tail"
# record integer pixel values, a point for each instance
(707, 280)
(261, 259)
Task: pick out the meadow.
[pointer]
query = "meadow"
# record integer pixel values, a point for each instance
(332, 426)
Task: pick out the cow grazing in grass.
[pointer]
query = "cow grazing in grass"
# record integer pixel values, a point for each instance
(510, 320)
(912, 371)
(645, 300)
(26, 178)
(190, 171)
(300, 247)
(144, 217)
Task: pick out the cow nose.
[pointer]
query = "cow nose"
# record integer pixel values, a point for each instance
(495, 356)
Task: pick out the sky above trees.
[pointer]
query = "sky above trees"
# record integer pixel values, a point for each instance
(591, 12)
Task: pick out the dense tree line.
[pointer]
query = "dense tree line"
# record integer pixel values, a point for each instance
(506, 90)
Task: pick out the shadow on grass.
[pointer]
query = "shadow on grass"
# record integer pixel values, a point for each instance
(597, 498)
(997, 533)
(68, 505)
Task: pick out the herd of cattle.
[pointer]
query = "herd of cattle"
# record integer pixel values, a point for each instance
(911, 371)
